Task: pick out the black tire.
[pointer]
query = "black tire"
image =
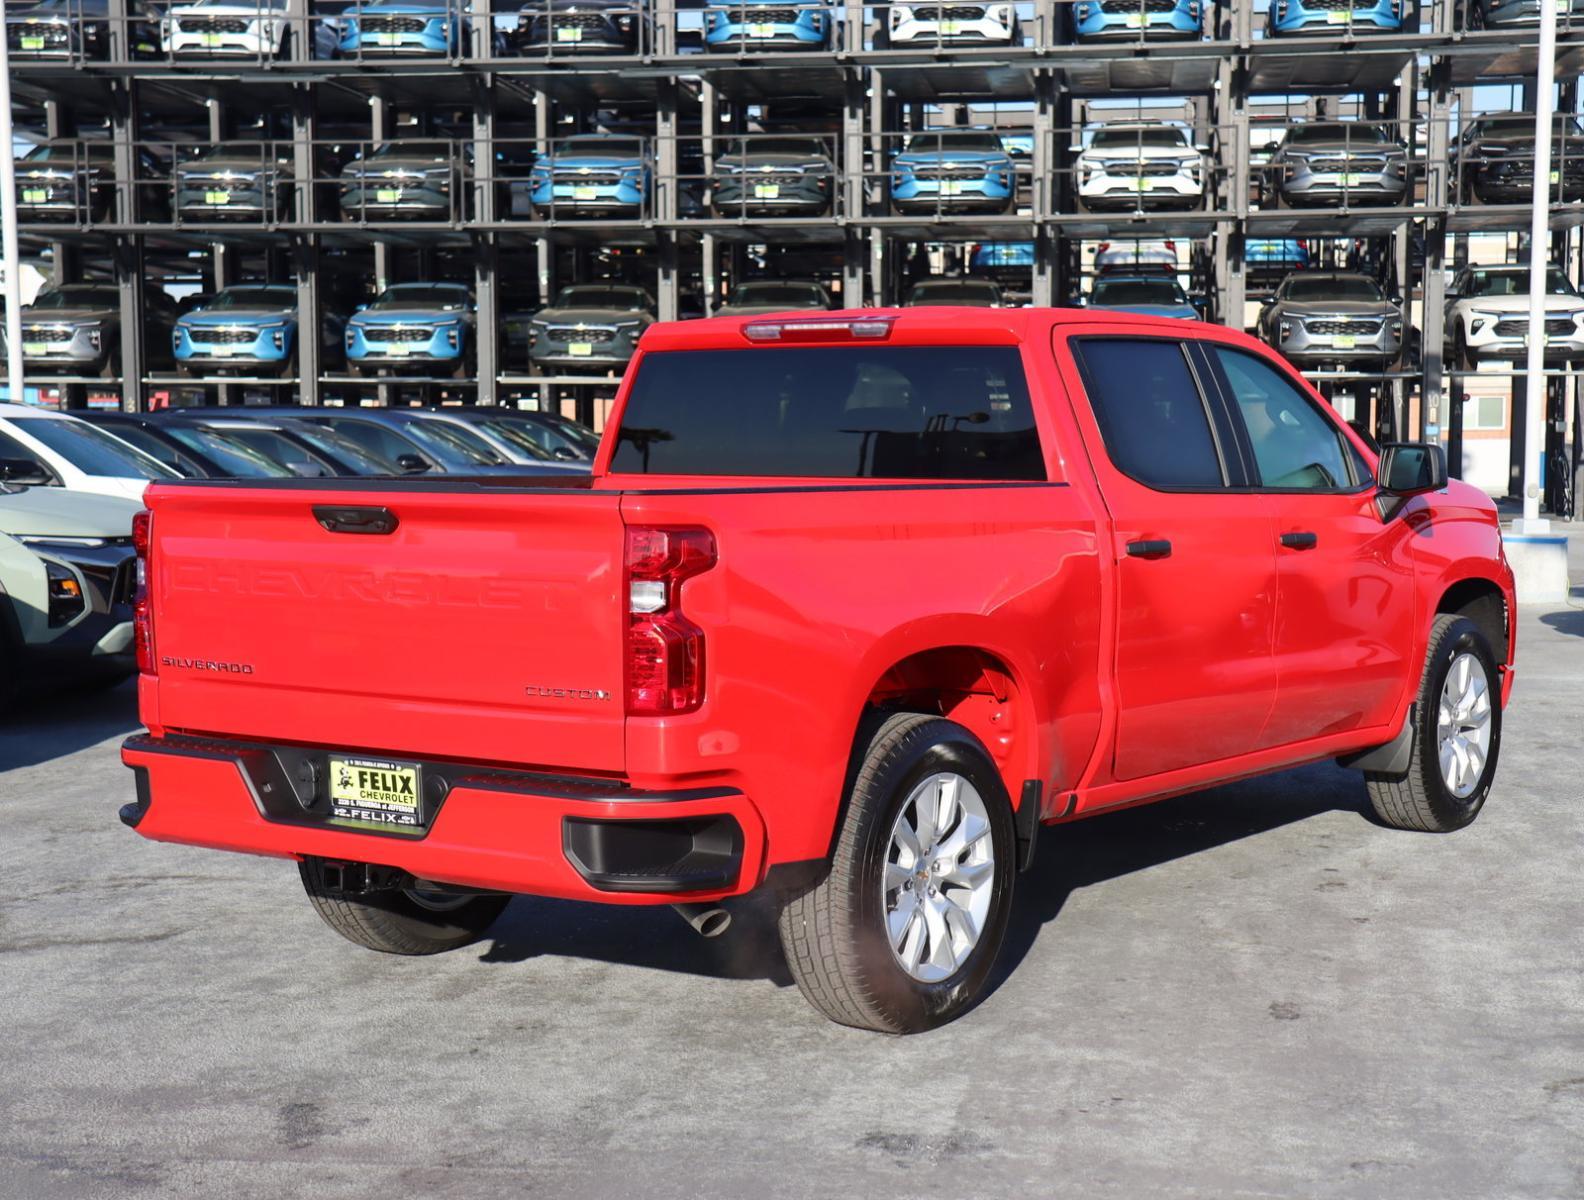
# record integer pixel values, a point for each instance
(1461, 353)
(834, 932)
(393, 922)
(1421, 799)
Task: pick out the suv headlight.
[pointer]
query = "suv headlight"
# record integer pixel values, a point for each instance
(1001, 13)
(900, 13)
(67, 601)
(1285, 329)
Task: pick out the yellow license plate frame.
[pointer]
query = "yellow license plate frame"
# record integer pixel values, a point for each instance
(376, 794)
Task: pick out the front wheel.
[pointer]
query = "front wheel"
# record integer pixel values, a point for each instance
(1457, 735)
(401, 920)
(901, 934)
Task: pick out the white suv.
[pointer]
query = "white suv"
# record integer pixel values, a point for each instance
(1136, 165)
(1488, 315)
(952, 24)
(252, 28)
(55, 449)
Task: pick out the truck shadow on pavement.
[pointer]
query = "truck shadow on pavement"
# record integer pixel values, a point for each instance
(1571, 621)
(38, 730)
(1070, 857)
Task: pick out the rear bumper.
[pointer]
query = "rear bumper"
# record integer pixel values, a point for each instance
(575, 839)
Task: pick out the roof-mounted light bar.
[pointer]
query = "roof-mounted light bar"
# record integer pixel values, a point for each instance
(820, 330)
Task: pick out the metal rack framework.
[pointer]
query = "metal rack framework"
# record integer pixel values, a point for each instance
(861, 93)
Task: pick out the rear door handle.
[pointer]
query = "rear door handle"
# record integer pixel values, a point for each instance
(1302, 540)
(355, 518)
(1149, 548)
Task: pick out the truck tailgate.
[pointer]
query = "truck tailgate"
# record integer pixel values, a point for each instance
(486, 626)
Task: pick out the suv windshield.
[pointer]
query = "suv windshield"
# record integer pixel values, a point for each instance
(832, 412)
(768, 292)
(1520, 125)
(255, 297)
(938, 291)
(437, 151)
(1115, 292)
(806, 147)
(1332, 287)
(1339, 131)
(599, 295)
(1152, 135)
(615, 147)
(77, 297)
(953, 139)
(445, 297)
(72, 152)
(91, 450)
(237, 458)
(1516, 283)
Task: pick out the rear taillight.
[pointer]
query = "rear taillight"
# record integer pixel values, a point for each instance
(142, 608)
(822, 330)
(664, 651)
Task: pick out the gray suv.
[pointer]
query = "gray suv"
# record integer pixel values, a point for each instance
(1319, 318)
(75, 329)
(590, 327)
(1340, 162)
(772, 176)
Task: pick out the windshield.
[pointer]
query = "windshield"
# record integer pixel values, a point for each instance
(1350, 131)
(951, 139)
(438, 151)
(595, 295)
(1519, 125)
(1138, 291)
(424, 295)
(616, 147)
(91, 450)
(805, 147)
(1154, 135)
(455, 448)
(950, 289)
(359, 458)
(566, 426)
(233, 457)
(257, 297)
(754, 292)
(544, 435)
(1332, 287)
(83, 152)
(517, 437)
(76, 297)
(1516, 283)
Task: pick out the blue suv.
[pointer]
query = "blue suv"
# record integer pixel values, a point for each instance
(594, 175)
(390, 28)
(1153, 20)
(952, 170)
(414, 328)
(247, 330)
(1286, 17)
(768, 25)
(1274, 256)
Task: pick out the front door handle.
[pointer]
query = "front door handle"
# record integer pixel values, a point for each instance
(1149, 548)
(1301, 540)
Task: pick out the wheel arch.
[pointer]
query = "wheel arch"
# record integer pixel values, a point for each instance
(1482, 601)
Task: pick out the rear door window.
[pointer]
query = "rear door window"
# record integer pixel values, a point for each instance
(1152, 415)
(832, 412)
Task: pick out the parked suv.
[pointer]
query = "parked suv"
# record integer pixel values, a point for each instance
(67, 577)
(592, 174)
(1493, 160)
(75, 329)
(1153, 295)
(58, 450)
(590, 325)
(383, 29)
(74, 29)
(1153, 20)
(974, 293)
(579, 27)
(768, 25)
(1340, 162)
(952, 170)
(1333, 318)
(1518, 14)
(419, 181)
(756, 296)
(250, 329)
(75, 181)
(428, 326)
(250, 181)
(237, 29)
(192, 451)
(941, 23)
(772, 176)
(1140, 166)
(1288, 17)
(1488, 316)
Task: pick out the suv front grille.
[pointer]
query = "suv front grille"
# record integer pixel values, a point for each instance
(55, 36)
(957, 12)
(393, 24)
(1342, 164)
(573, 333)
(223, 337)
(590, 21)
(213, 25)
(594, 178)
(1329, 5)
(1133, 6)
(1519, 326)
(763, 16)
(45, 333)
(1356, 328)
(406, 333)
(925, 172)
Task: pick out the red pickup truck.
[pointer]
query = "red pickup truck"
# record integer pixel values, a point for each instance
(850, 608)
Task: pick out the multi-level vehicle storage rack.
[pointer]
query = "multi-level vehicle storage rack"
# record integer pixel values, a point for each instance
(863, 98)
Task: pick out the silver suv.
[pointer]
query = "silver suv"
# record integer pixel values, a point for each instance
(1340, 162)
(1323, 318)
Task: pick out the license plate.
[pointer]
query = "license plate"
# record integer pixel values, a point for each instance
(1351, 180)
(35, 349)
(387, 195)
(217, 197)
(399, 349)
(761, 31)
(32, 43)
(1135, 20)
(225, 350)
(376, 793)
(767, 191)
(950, 187)
(209, 39)
(585, 193)
(1556, 176)
(1344, 341)
(1339, 18)
(950, 28)
(580, 349)
(387, 39)
(38, 195)
(563, 34)
(1563, 6)
(1143, 185)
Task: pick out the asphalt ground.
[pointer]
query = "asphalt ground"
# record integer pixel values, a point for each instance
(1255, 991)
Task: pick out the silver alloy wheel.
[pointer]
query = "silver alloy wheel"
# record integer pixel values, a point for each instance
(939, 877)
(1463, 725)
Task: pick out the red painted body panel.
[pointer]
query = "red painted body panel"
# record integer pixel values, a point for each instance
(1078, 667)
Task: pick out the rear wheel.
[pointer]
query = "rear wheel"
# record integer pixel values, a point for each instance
(401, 920)
(901, 934)
(1457, 735)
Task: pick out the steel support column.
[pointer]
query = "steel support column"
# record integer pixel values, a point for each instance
(487, 332)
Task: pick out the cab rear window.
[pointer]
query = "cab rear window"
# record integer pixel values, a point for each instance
(832, 412)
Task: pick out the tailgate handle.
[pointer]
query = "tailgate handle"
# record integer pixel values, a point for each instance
(355, 518)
